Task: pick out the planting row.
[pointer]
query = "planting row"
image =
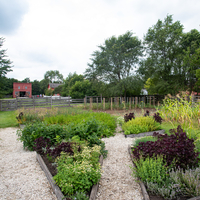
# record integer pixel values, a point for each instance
(72, 148)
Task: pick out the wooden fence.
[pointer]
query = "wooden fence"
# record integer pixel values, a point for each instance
(14, 104)
(135, 101)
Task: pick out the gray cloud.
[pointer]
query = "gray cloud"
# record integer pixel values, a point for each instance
(11, 15)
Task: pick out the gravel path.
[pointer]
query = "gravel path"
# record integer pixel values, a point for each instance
(21, 177)
(116, 181)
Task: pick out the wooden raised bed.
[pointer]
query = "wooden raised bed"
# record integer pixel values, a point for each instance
(143, 188)
(55, 188)
(144, 134)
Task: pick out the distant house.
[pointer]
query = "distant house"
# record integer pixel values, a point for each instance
(53, 86)
(22, 90)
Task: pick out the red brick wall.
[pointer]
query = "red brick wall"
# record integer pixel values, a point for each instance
(22, 87)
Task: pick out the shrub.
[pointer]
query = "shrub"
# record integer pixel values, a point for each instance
(41, 144)
(157, 117)
(146, 114)
(34, 131)
(79, 172)
(152, 169)
(128, 117)
(177, 146)
(139, 125)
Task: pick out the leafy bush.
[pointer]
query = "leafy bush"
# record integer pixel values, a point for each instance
(151, 169)
(146, 114)
(157, 117)
(189, 180)
(139, 125)
(79, 172)
(34, 131)
(144, 139)
(128, 117)
(40, 144)
(176, 147)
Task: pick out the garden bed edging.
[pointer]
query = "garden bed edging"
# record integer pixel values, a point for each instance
(145, 134)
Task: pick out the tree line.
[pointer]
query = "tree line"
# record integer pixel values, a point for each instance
(167, 60)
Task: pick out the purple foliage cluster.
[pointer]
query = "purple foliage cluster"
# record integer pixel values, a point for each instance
(128, 117)
(146, 114)
(41, 143)
(157, 117)
(177, 146)
(63, 147)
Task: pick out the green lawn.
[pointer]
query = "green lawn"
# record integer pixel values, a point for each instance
(8, 119)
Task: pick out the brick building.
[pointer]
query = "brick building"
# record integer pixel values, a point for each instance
(22, 90)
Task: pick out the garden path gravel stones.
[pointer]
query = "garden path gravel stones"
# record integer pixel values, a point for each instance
(116, 181)
(21, 177)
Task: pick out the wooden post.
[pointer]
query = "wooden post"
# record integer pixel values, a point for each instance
(150, 101)
(33, 102)
(153, 100)
(136, 101)
(101, 98)
(111, 103)
(103, 103)
(51, 101)
(85, 102)
(158, 103)
(90, 103)
(0, 105)
(97, 102)
(117, 99)
(130, 103)
(69, 100)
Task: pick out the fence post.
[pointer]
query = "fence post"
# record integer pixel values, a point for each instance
(85, 102)
(158, 103)
(103, 103)
(0, 105)
(33, 102)
(16, 103)
(150, 101)
(130, 103)
(90, 103)
(69, 100)
(136, 101)
(101, 98)
(153, 100)
(97, 102)
(111, 103)
(51, 101)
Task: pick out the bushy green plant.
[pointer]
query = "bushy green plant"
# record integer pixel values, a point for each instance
(139, 125)
(34, 131)
(152, 170)
(78, 172)
(144, 139)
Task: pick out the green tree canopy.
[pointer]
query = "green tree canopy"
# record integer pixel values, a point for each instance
(114, 60)
(54, 76)
(5, 66)
(82, 88)
(163, 61)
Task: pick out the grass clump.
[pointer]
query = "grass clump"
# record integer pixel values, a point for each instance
(8, 119)
(140, 125)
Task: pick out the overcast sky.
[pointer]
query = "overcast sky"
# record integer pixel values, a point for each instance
(42, 35)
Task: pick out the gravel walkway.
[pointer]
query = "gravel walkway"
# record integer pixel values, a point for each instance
(21, 177)
(116, 181)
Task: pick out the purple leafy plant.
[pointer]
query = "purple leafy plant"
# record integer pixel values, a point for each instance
(128, 117)
(157, 117)
(176, 148)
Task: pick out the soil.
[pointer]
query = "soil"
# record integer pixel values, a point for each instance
(52, 168)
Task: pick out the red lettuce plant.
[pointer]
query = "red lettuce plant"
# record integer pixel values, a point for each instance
(128, 117)
(157, 117)
(40, 144)
(178, 148)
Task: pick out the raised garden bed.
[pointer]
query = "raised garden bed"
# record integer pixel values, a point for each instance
(143, 188)
(144, 134)
(53, 185)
